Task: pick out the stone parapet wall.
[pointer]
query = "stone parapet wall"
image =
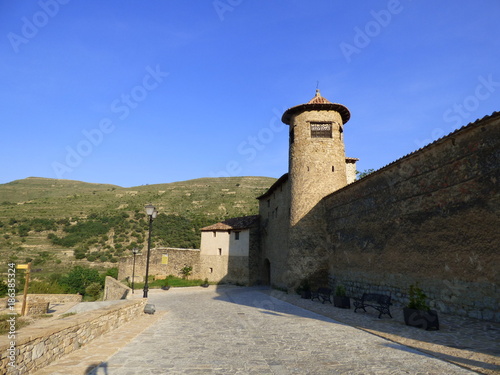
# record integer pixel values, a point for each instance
(115, 290)
(40, 344)
(54, 298)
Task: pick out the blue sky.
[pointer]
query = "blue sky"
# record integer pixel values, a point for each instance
(143, 92)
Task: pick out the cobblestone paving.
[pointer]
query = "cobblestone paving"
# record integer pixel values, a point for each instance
(232, 330)
(468, 342)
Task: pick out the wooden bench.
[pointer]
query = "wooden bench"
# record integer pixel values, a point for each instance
(379, 302)
(322, 294)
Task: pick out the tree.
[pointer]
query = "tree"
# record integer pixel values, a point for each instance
(79, 278)
(365, 173)
(93, 290)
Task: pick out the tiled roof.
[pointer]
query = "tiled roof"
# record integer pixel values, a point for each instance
(318, 99)
(318, 103)
(242, 222)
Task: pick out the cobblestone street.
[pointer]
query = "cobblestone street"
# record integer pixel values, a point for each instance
(234, 330)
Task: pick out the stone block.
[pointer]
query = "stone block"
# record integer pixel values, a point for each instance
(488, 314)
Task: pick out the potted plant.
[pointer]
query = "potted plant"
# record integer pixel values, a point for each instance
(340, 299)
(304, 289)
(166, 285)
(417, 313)
(205, 283)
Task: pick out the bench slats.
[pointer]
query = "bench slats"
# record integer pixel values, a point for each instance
(379, 302)
(322, 294)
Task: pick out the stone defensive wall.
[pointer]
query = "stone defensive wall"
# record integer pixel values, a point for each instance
(431, 217)
(163, 262)
(38, 345)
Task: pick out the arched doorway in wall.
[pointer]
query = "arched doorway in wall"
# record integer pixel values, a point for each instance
(266, 276)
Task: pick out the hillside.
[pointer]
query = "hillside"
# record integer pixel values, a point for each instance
(61, 221)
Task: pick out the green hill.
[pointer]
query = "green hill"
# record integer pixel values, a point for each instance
(54, 222)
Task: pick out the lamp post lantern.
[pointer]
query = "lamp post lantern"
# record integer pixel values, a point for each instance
(151, 212)
(135, 251)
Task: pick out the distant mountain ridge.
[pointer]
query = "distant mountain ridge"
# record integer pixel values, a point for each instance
(49, 219)
(46, 197)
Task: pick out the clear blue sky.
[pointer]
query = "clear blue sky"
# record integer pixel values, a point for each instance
(143, 92)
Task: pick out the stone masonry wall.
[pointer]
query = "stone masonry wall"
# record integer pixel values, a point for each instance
(37, 346)
(274, 211)
(432, 217)
(37, 308)
(115, 290)
(177, 259)
(54, 298)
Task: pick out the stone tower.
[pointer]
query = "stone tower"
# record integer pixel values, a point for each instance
(317, 162)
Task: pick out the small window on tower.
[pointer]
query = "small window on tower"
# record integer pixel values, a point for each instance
(321, 130)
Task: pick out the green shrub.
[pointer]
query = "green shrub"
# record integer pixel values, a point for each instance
(186, 271)
(3, 288)
(45, 287)
(113, 272)
(93, 290)
(5, 325)
(79, 278)
(417, 298)
(23, 230)
(340, 291)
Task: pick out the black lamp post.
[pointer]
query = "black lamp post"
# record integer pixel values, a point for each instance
(135, 250)
(151, 212)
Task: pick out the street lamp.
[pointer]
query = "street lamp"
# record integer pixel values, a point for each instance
(151, 212)
(135, 251)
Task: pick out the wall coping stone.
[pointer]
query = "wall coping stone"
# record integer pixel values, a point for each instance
(49, 327)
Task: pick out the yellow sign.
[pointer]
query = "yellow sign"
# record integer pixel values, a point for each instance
(164, 259)
(22, 266)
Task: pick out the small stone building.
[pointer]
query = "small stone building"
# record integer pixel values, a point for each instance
(229, 250)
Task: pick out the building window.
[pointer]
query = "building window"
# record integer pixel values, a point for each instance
(333, 168)
(215, 233)
(321, 130)
(220, 251)
(211, 270)
(268, 203)
(236, 235)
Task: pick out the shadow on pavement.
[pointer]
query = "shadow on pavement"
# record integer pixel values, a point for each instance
(461, 361)
(457, 341)
(97, 369)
